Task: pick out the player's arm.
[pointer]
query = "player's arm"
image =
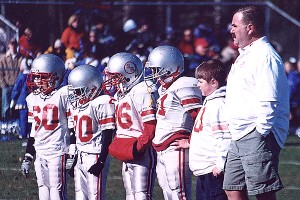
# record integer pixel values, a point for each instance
(72, 148)
(30, 150)
(194, 113)
(106, 139)
(71, 156)
(28, 158)
(145, 140)
(185, 143)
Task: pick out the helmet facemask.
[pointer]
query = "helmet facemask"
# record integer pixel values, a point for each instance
(80, 96)
(160, 74)
(41, 82)
(113, 82)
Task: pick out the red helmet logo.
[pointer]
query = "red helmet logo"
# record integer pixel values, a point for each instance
(130, 67)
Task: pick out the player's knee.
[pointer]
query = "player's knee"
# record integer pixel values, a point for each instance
(143, 195)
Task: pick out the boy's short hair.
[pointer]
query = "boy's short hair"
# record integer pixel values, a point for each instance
(212, 69)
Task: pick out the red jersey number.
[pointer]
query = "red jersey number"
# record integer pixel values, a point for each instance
(161, 110)
(124, 119)
(199, 123)
(84, 128)
(49, 117)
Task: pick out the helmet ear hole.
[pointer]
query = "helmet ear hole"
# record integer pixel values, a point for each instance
(127, 79)
(168, 72)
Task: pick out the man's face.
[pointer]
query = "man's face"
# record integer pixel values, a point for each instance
(239, 31)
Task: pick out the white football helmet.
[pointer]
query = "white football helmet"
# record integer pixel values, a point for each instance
(123, 71)
(46, 74)
(165, 63)
(84, 85)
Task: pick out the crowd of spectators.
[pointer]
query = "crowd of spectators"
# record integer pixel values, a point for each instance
(94, 45)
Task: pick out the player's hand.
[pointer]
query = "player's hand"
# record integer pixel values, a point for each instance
(96, 168)
(25, 166)
(180, 144)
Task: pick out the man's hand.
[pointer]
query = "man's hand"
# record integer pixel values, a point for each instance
(216, 172)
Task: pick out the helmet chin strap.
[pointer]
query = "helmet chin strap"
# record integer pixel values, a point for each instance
(166, 82)
(121, 90)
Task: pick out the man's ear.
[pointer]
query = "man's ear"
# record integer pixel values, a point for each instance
(250, 29)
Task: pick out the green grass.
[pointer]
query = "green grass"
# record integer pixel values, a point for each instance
(14, 186)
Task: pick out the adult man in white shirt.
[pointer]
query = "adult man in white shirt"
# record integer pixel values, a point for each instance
(257, 103)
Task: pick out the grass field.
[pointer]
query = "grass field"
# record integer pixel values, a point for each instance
(14, 186)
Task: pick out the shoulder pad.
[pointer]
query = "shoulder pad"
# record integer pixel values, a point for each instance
(183, 82)
(143, 87)
(103, 99)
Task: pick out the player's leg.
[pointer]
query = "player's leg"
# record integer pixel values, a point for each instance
(41, 171)
(127, 173)
(178, 174)
(57, 177)
(96, 185)
(162, 176)
(144, 175)
(80, 178)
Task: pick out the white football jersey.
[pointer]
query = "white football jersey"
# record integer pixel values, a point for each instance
(48, 115)
(135, 108)
(173, 106)
(90, 121)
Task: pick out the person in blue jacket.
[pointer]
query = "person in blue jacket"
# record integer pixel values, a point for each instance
(18, 96)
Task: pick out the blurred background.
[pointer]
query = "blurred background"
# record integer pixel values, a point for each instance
(47, 19)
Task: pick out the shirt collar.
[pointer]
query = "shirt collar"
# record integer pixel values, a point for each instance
(253, 44)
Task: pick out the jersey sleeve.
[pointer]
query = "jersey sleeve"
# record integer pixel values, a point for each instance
(220, 131)
(190, 97)
(104, 110)
(145, 103)
(30, 107)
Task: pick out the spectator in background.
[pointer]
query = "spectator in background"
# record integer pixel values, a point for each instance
(27, 46)
(167, 38)
(186, 45)
(2, 40)
(72, 37)
(145, 39)
(57, 49)
(94, 52)
(103, 35)
(125, 37)
(204, 30)
(293, 76)
(298, 66)
(9, 70)
(229, 53)
(18, 97)
(200, 55)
